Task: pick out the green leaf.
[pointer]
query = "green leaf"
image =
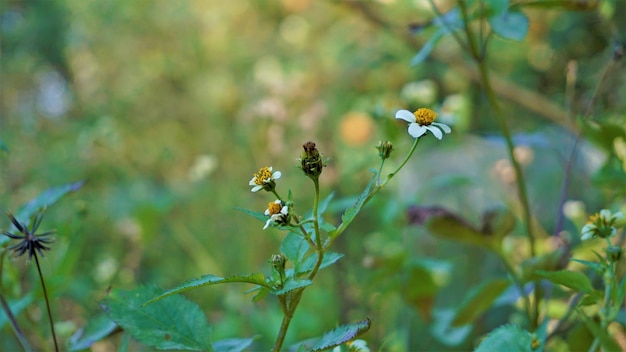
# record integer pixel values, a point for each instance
(495, 7)
(291, 285)
(16, 307)
(574, 280)
(232, 345)
(341, 335)
(552, 261)
(508, 338)
(428, 47)
(478, 301)
(323, 205)
(206, 280)
(294, 247)
(354, 210)
(423, 279)
(510, 25)
(607, 342)
(597, 267)
(96, 329)
(43, 200)
(255, 214)
(308, 264)
(173, 323)
(593, 298)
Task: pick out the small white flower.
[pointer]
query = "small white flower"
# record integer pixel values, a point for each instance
(264, 179)
(602, 225)
(422, 121)
(278, 213)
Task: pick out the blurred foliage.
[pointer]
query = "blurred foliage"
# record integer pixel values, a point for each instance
(165, 109)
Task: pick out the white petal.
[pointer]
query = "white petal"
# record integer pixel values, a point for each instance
(444, 127)
(586, 236)
(276, 175)
(285, 210)
(257, 188)
(252, 183)
(416, 131)
(405, 115)
(267, 223)
(267, 212)
(605, 213)
(435, 131)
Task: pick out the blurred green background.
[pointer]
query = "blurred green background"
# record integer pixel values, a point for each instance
(166, 108)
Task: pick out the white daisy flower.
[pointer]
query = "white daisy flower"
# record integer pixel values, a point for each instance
(278, 213)
(422, 121)
(601, 225)
(264, 179)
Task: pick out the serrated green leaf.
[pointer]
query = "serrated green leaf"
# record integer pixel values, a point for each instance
(294, 247)
(232, 345)
(354, 210)
(172, 323)
(341, 335)
(308, 264)
(206, 280)
(478, 301)
(510, 25)
(607, 342)
(574, 280)
(291, 285)
(255, 214)
(508, 338)
(96, 329)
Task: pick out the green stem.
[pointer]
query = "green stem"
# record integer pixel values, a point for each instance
(45, 295)
(519, 177)
(16, 328)
(292, 305)
(408, 156)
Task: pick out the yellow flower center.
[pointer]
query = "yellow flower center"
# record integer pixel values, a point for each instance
(424, 116)
(264, 174)
(274, 208)
(593, 218)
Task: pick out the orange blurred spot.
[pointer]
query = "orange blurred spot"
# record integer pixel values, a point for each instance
(356, 128)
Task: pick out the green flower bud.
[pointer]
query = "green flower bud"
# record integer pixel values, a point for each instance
(614, 253)
(384, 149)
(311, 161)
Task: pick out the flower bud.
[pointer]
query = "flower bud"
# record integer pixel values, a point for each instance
(384, 149)
(614, 253)
(311, 161)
